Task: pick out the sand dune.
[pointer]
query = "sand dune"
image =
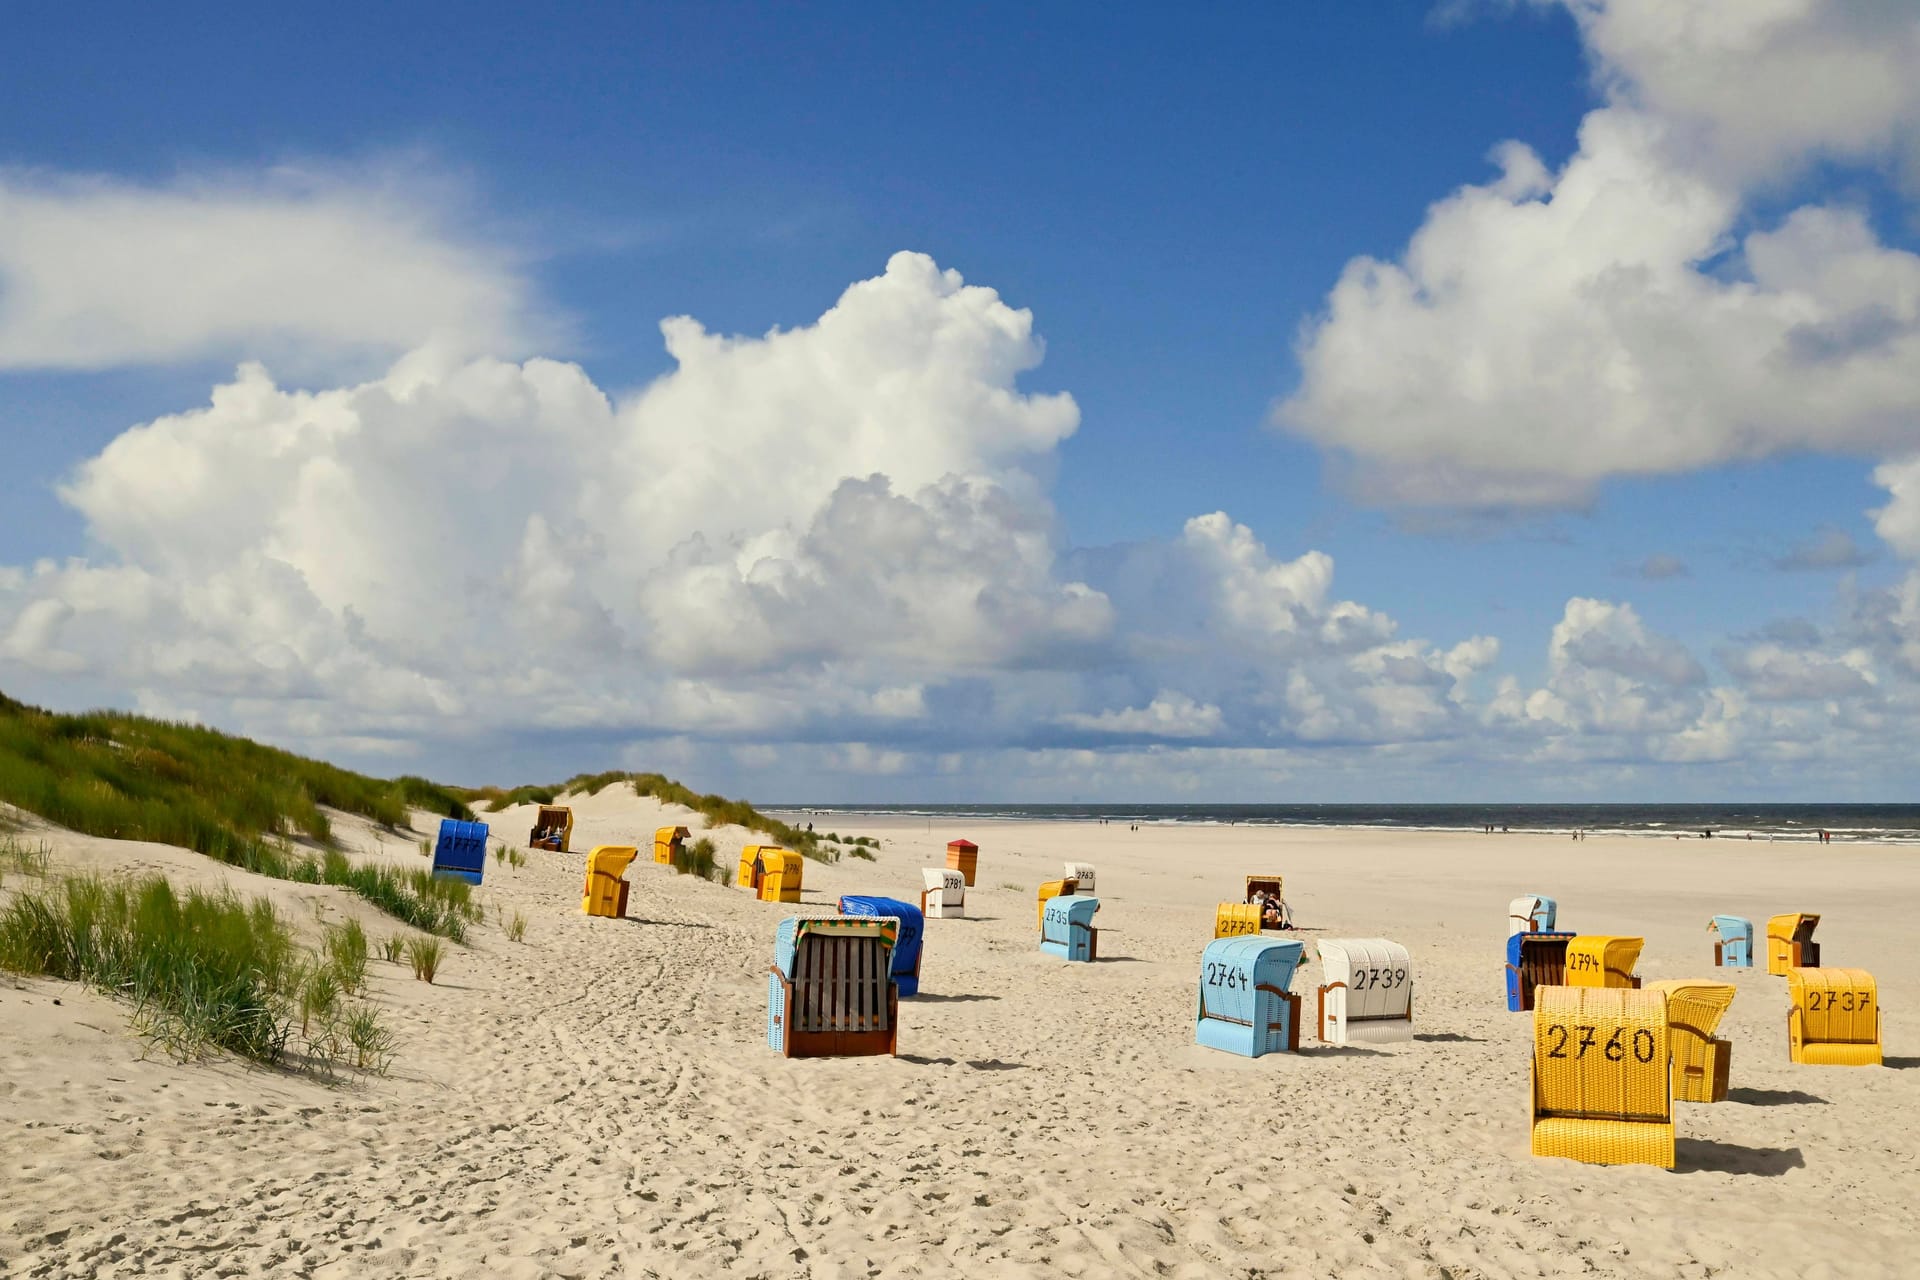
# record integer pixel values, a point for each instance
(599, 1101)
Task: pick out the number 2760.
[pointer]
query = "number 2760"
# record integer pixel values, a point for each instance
(1581, 1038)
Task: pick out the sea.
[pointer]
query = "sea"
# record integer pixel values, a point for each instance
(1877, 823)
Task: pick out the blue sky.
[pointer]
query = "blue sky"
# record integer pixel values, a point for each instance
(1655, 355)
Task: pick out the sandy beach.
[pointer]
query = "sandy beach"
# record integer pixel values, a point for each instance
(600, 1100)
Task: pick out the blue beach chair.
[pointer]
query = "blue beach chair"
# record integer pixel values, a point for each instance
(1066, 928)
(1534, 960)
(460, 852)
(1733, 945)
(906, 949)
(1245, 1007)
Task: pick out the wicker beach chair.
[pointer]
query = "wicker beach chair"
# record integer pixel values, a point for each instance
(1534, 960)
(1732, 942)
(1366, 993)
(1700, 1062)
(944, 893)
(1531, 913)
(605, 893)
(1601, 960)
(907, 946)
(1066, 928)
(780, 882)
(1602, 1088)
(1081, 873)
(830, 992)
(1245, 1006)
(1833, 1017)
(552, 828)
(668, 841)
(1049, 890)
(1790, 943)
(1236, 920)
(460, 850)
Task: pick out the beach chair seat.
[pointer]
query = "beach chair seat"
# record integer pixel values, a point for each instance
(1700, 1062)
(830, 991)
(908, 943)
(1272, 890)
(1236, 920)
(1732, 942)
(780, 881)
(668, 841)
(1066, 928)
(1534, 960)
(1049, 890)
(944, 893)
(1833, 1017)
(552, 828)
(1366, 992)
(964, 856)
(1081, 873)
(1790, 943)
(1602, 1088)
(606, 888)
(752, 868)
(1531, 913)
(1245, 1005)
(1602, 960)
(460, 850)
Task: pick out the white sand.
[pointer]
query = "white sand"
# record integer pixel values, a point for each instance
(600, 1100)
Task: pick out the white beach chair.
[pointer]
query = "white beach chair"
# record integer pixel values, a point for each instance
(1081, 873)
(1366, 992)
(944, 894)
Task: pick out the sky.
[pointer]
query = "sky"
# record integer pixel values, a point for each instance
(1476, 400)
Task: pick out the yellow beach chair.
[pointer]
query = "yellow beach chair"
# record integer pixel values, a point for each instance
(1051, 889)
(606, 888)
(1833, 1018)
(1790, 943)
(780, 881)
(1599, 960)
(1236, 920)
(1602, 1090)
(666, 842)
(1700, 1062)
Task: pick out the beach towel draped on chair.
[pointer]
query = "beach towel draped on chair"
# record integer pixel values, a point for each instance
(907, 947)
(830, 992)
(1700, 1062)
(1245, 1006)
(1602, 1089)
(1366, 993)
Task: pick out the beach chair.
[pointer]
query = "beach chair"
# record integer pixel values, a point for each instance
(1277, 915)
(1833, 1017)
(1366, 993)
(667, 841)
(1732, 942)
(752, 867)
(1066, 928)
(1790, 943)
(1534, 960)
(963, 856)
(606, 890)
(1531, 913)
(1602, 1089)
(1700, 1062)
(460, 850)
(944, 894)
(830, 992)
(1081, 873)
(552, 828)
(780, 881)
(1049, 890)
(1600, 960)
(1245, 1007)
(1236, 920)
(907, 945)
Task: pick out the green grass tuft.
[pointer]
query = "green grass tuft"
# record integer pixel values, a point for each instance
(425, 955)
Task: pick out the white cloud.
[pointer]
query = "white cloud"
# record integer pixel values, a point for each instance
(1898, 523)
(97, 272)
(1170, 715)
(1547, 330)
(1776, 673)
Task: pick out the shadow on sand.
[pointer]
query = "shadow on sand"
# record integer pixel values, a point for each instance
(1699, 1155)
(1772, 1097)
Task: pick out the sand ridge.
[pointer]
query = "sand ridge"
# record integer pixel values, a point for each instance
(600, 1101)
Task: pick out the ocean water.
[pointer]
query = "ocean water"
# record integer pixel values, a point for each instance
(1880, 823)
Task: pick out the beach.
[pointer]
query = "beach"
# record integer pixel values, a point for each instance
(600, 1099)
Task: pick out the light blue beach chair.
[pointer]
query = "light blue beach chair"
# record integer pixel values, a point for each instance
(830, 992)
(1531, 913)
(1733, 944)
(1066, 928)
(1245, 1007)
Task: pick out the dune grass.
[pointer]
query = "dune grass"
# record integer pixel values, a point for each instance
(205, 971)
(133, 778)
(700, 859)
(425, 955)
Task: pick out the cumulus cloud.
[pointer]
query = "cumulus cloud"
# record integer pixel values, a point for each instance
(1169, 715)
(1898, 523)
(1552, 328)
(97, 272)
